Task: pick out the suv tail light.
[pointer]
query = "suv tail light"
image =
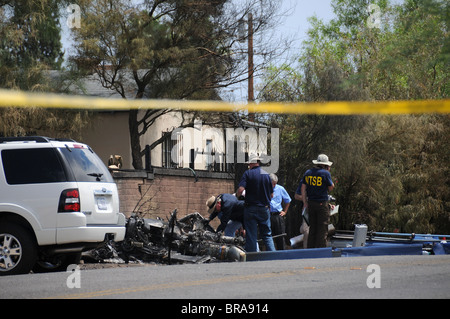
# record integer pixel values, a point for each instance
(69, 201)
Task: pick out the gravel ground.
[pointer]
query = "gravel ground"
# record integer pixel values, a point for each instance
(103, 265)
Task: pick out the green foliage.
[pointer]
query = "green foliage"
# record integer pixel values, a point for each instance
(170, 48)
(30, 46)
(392, 172)
(30, 42)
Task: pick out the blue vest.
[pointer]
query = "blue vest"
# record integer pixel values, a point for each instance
(317, 181)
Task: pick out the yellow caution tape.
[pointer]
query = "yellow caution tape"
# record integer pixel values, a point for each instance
(11, 98)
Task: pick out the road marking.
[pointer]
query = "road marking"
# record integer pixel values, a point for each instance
(212, 281)
(230, 279)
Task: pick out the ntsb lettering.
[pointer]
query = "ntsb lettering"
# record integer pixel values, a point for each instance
(313, 180)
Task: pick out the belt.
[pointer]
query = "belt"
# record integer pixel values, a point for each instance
(248, 205)
(275, 213)
(319, 202)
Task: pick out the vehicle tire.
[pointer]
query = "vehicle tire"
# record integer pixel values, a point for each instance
(57, 263)
(18, 249)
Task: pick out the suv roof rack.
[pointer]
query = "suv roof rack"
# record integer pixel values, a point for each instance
(37, 139)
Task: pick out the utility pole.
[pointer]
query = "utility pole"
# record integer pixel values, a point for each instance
(251, 97)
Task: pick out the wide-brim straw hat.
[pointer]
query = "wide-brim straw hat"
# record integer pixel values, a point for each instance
(211, 204)
(253, 158)
(322, 159)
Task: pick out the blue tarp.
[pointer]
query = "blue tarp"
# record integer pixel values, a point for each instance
(441, 248)
(371, 250)
(290, 254)
(382, 250)
(377, 246)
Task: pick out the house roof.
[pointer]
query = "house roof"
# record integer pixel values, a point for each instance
(91, 85)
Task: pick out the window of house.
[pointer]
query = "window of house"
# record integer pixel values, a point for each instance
(172, 150)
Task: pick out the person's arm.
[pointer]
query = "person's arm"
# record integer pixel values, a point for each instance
(298, 192)
(213, 215)
(242, 185)
(285, 209)
(286, 201)
(305, 202)
(239, 191)
(330, 181)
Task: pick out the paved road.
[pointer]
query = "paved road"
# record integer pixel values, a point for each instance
(345, 277)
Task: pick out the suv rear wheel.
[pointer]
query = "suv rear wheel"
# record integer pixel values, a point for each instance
(18, 250)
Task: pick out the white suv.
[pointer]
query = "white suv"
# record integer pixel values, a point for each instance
(57, 199)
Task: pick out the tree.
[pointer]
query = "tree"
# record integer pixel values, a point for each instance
(30, 42)
(413, 61)
(176, 49)
(388, 168)
(30, 46)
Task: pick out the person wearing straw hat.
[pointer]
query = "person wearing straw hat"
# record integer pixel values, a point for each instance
(316, 185)
(229, 210)
(258, 193)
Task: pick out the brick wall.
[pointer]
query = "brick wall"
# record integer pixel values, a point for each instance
(158, 193)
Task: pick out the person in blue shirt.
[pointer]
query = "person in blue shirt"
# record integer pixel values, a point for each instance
(258, 194)
(316, 185)
(229, 210)
(279, 206)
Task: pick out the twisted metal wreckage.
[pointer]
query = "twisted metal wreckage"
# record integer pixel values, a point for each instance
(192, 240)
(187, 240)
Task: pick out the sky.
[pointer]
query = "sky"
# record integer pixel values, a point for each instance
(293, 26)
(296, 24)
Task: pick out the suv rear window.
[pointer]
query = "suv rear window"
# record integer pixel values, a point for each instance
(32, 166)
(86, 165)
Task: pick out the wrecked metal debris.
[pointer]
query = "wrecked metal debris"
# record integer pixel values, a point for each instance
(187, 240)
